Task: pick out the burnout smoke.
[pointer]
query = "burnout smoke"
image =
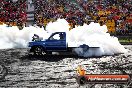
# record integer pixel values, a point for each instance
(93, 35)
(12, 37)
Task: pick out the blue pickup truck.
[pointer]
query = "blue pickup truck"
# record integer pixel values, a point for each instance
(55, 43)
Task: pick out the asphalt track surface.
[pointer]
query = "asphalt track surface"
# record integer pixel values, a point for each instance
(59, 71)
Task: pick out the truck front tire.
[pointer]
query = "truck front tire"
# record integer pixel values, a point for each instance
(38, 50)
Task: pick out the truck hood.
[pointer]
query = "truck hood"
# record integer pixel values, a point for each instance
(32, 43)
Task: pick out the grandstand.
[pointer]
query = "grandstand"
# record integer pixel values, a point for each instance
(11, 14)
(116, 14)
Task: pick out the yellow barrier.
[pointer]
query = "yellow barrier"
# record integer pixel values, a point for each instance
(110, 23)
(111, 29)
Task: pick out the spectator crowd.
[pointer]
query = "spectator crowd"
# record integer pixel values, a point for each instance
(115, 14)
(13, 13)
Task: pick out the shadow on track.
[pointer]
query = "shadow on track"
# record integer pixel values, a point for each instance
(50, 58)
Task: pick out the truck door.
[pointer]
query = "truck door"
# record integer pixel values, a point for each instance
(56, 42)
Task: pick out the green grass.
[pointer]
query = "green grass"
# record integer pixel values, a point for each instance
(125, 40)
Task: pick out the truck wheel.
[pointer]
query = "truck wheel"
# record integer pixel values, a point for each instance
(85, 47)
(38, 50)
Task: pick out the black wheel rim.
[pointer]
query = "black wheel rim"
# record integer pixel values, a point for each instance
(38, 51)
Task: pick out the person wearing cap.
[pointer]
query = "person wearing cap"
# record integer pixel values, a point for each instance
(35, 37)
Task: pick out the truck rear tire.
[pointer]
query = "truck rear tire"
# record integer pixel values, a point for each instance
(38, 50)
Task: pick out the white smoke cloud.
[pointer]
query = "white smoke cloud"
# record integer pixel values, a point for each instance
(60, 25)
(95, 35)
(92, 35)
(12, 37)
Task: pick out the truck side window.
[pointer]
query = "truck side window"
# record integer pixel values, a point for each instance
(55, 37)
(61, 36)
